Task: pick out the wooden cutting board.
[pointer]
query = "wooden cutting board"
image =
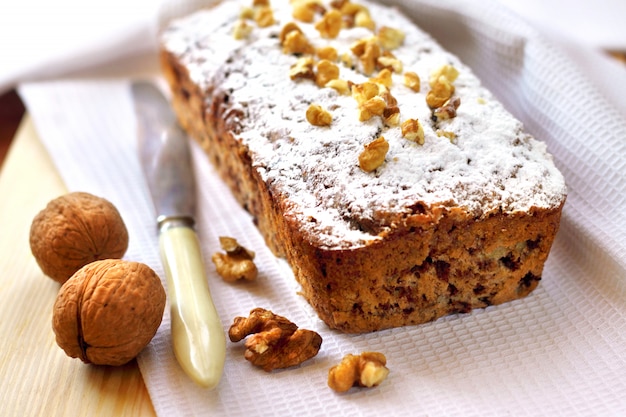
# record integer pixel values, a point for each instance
(36, 377)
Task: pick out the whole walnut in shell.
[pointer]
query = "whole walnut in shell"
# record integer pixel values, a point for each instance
(74, 230)
(108, 311)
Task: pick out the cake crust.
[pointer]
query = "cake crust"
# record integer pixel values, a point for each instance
(439, 228)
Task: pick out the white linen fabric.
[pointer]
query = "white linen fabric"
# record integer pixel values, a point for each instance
(560, 351)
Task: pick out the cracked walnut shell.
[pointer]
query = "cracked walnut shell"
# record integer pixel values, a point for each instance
(108, 311)
(74, 230)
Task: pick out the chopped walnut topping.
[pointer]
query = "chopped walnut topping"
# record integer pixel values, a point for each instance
(391, 38)
(297, 43)
(446, 134)
(391, 100)
(447, 71)
(363, 19)
(241, 30)
(317, 116)
(368, 51)
(302, 69)
(412, 80)
(383, 77)
(341, 86)
(305, 10)
(289, 27)
(440, 92)
(441, 88)
(264, 16)
(346, 60)
(358, 47)
(327, 52)
(330, 24)
(391, 63)
(247, 13)
(448, 110)
(370, 56)
(391, 115)
(303, 13)
(364, 92)
(351, 9)
(412, 130)
(374, 154)
(375, 106)
(326, 71)
(347, 21)
(338, 4)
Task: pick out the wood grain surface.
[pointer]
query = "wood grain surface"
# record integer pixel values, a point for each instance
(37, 378)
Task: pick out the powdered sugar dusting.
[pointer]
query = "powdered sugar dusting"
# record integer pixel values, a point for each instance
(491, 165)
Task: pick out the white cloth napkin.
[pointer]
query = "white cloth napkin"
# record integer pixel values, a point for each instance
(560, 351)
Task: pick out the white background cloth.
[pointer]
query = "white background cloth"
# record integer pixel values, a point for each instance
(560, 351)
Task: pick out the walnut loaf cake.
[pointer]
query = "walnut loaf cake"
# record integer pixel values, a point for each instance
(397, 187)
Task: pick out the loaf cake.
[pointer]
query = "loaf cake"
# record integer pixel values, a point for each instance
(396, 186)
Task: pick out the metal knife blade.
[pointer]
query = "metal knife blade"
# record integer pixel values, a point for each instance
(198, 338)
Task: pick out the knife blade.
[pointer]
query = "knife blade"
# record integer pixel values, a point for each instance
(198, 338)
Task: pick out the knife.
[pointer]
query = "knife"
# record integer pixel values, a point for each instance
(198, 338)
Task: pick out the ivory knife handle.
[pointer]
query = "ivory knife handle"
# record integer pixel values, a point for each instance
(197, 335)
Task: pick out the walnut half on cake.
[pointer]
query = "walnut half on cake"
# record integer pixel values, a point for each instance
(397, 187)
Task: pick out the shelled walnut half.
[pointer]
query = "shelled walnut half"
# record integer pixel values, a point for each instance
(236, 263)
(274, 342)
(365, 370)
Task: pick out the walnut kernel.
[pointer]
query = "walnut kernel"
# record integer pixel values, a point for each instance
(237, 263)
(390, 63)
(246, 13)
(349, 8)
(241, 29)
(370, 56)
(365, 370)
(384, 77)
(330, 24)
(302, 69)
(108, 311)
(412, 130)
(317, 116)
(391, 38)
(446, 134)
(303, 11)
(365, 91)
(274, 342)
(358, 47)
(326, 71)
(447, 110)
(391, 100)
(375, 106)
(391, 115)
(440, 92)
(341, 86)
(296, 43)
(363, 19)
(289, 27)
(74, 230)
(374, 154)
(327, 52)
(447, 71)
(264, 16)
(412, 80)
